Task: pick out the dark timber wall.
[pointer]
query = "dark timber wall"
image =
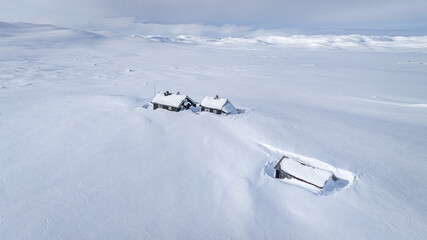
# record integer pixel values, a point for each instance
(174, 109)
(212, 110)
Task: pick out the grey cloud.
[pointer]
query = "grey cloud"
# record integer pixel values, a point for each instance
(259, 13)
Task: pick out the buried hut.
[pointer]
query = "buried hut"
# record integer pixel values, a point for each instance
(217, 105)
(291, 169)
(172, 102)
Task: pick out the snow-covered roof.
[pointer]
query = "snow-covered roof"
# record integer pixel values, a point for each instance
(211, 102)
(173, 100)
(218, 103)
(229, 108)
(307, 173)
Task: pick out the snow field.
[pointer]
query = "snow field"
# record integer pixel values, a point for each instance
(82, 158)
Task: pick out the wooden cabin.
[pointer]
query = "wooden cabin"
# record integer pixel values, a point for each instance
(172, 102)
(289, 168)
(217, 105)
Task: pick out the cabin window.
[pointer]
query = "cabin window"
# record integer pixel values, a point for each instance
(215, 111)
(170, 108)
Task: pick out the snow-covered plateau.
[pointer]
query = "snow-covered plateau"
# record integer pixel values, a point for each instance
(83, 157)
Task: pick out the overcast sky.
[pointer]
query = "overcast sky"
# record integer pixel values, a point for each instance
(268, 14)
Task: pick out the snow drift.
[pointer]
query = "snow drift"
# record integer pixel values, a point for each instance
(81, 158)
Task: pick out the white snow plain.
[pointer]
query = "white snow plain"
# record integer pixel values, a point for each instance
(82, 158)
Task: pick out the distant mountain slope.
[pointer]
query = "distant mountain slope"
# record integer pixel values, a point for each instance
(347, 42)
(43, 35)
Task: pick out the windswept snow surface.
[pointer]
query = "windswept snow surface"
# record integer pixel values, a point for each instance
(80, 158)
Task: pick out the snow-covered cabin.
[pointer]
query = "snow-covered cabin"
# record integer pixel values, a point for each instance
(289, 168)
(217, 105)
(172, 102)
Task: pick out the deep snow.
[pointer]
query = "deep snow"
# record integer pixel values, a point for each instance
(81, 158)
